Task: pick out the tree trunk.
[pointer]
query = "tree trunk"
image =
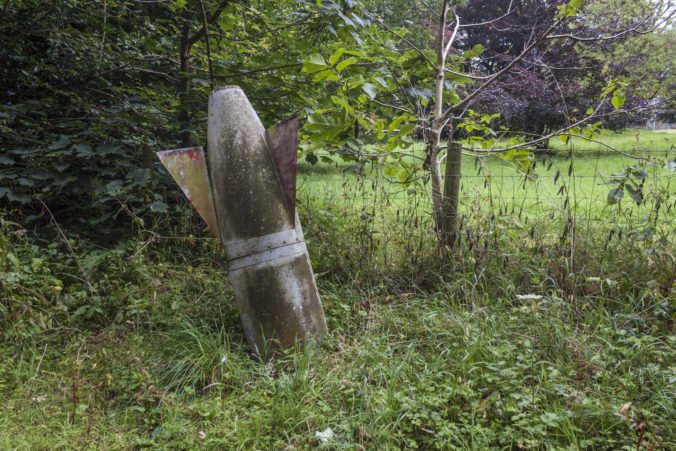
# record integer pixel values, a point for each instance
(435, 173)
(451, 192)
(434, 141)
(184, 119)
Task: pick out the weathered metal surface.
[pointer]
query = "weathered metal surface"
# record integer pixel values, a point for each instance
(248, 199)
(188, 168)
(283, 140)
(269, 266)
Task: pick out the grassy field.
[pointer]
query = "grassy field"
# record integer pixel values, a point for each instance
(494, 192)
(530, 338)
(631, 140)
(584, 174)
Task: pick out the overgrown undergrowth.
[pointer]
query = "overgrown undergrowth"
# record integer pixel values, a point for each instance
(521, 345)
(550, 325)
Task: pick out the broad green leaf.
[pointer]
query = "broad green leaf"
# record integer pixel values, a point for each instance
(615, 195)
(327, 74)
(336, 56)
(618, 99)
(311, 158)
(406, 129)
(395, 123)
(159, 207)
(636, 194)
(82, 150)
(6, 161)
(346, 63)
(60, 143)
(314, 63)
(381, 82)
(570, 9)
(21, 198)
(342, 103)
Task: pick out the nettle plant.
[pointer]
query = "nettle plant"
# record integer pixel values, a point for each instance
(421, 78)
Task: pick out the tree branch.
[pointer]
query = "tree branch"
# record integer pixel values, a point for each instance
(488, 22)
(582, 121)
(452, 38)
(256, 71)
(211, 19)
(407, 41)
(447, 114)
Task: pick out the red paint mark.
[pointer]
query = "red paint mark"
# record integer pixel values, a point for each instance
(284, 142)
(193, 155)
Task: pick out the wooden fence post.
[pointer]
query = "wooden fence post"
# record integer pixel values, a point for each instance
(451, 192)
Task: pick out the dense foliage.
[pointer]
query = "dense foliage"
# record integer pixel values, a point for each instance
(91, 90)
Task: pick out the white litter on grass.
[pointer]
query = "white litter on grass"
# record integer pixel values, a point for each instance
(324, 436)
(224, 359)
(528, 297)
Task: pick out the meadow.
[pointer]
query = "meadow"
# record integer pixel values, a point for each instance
(552, 326)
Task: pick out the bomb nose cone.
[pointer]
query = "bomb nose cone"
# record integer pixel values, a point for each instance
(248, 198)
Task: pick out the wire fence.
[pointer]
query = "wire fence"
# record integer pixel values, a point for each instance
(563, 196)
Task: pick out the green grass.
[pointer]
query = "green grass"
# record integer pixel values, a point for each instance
(492, 180)
(141, 346)
(493, 192)
(630, 140)
(413, 370)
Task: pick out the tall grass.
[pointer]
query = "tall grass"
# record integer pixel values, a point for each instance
(550, 327)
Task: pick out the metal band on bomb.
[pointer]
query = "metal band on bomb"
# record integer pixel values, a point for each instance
(263, 249)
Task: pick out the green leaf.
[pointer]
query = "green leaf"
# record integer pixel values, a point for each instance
(336, 56)
(21, 198)
(618, 99)
(109, 149)
(636, 194)
(83, 150)
(311, 158)
(60, 143)
(406, 129)
(346, 63)
(571, 8)
(473, 52)
(615, 195)
(342, 103)
(381, 82)
(314, 63)
(179, 4)
(159, 207)
(369, 90)
(327, 74)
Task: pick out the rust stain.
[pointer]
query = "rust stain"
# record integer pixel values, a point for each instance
(189, 169)
(283, 141)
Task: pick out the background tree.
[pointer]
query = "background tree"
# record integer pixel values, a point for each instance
(392, 85)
